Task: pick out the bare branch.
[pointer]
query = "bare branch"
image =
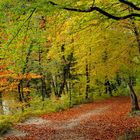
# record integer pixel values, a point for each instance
(103, 12)
(18, 31)
(130, 4)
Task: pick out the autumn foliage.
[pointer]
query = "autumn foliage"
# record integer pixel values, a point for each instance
(109, 124)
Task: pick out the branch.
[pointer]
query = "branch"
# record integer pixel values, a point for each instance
(18, 31)
(103, 12)
(130, 4)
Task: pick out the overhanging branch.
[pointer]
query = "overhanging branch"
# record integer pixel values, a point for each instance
(18, 31)
(103, 12)
(130, 4)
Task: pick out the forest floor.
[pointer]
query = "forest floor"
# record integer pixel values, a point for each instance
(101, 120)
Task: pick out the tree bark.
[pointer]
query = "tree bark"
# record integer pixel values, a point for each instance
(134, 100)
(20, 85)
(20, 91)
(43, 82)
(135, 29)
(108, 88)
(136, 33)
(87, 81)
(43, 89)
(64, 72)
(1, 105)
(54, 85)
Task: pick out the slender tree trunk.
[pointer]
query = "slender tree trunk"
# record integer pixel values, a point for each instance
(63, 83)
(20, 91)
(66, 71)
(70, 94)
(134, 100)
(1, 105)
(135, 29)
(54, 85)
(133, 96)
(108, 88)
(118, 79)
(0, 99)
(43, 89)
(61, 89)
(88, 75)
(87, 81)
(136, 33)
(28, 94)
(43, 82)
(20, 85)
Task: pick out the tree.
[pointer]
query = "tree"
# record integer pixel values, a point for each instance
(80, 53)
(130, 16)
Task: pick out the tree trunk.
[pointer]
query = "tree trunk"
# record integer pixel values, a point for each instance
(20, 91)
(135, 29)
(108, 88)
(1, 105)
(136, 33)
(70, 94)
(87, 81)
(28, 94)
(134, 100)
(54, 85)
(20, 85)
(66, 71)
(43, 88)
(43, 82)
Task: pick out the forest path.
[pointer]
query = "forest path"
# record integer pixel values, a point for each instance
(102, 120)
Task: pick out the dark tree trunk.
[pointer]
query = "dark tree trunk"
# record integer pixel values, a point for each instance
(108, 88)
(1, 106)
(28, 94)
(66, 71)
(70, 95)
(20, 85)
(43, 89)
(133, 96)
(43, 82)
(118, 79)
(63, 84)
(0, 99)
(61, 88)
(134, 100)
(87, 81)
(136, 33)
(135, 29)
(20, 91)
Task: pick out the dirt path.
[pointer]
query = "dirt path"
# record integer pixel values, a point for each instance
(104, 120)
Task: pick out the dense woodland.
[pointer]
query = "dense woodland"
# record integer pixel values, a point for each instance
(55, 54)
